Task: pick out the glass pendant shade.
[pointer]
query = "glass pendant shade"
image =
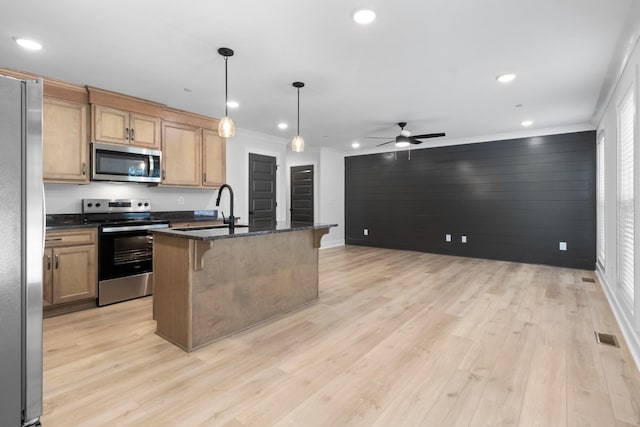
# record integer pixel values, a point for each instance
(226, 128)
(297, 144)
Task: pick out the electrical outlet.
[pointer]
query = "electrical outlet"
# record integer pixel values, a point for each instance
(447, 237)
(366, 232)
(463, 239)
(563, 246)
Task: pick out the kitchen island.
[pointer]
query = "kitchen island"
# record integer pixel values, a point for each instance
(210, 282)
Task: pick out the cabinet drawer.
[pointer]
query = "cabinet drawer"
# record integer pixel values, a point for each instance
(69, 238)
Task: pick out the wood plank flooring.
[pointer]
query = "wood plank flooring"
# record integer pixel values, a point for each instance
(397, 338)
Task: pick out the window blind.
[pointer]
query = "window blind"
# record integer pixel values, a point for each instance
(626, 113)
(600, 203)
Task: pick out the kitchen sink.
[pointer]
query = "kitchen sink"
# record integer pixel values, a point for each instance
(209, 227)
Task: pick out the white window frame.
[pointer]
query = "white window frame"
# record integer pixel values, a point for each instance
(626, 290)
(601, 199)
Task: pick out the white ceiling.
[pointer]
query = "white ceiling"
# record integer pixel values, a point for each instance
(431, 63)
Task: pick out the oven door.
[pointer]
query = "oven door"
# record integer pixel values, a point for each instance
(125, 251)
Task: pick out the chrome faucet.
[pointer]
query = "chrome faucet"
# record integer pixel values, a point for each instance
(230, 220)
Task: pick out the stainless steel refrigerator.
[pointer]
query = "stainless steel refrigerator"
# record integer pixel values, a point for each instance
(21, 246)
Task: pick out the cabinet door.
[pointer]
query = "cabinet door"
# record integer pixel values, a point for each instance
(145, 131)
(47, 277)
(214, 159)
(110, 125)
(74, 273)
(181, 155)
(65, 141)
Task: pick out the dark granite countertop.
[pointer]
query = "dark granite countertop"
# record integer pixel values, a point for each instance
(216, 233)
(70, 221)
(66, 221)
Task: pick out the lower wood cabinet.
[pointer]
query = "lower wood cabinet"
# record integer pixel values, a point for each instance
(69, 266)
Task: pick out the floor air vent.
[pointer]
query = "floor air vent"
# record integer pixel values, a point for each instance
(588, 279)
(607, 339)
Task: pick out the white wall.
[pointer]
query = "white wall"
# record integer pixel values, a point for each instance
(629, 323)
(66, 198)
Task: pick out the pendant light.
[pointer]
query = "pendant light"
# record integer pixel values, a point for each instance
(297, 143)
(226, 128)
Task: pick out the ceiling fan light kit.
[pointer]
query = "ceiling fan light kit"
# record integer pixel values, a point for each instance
(297, 143)
(404, 139)
(226, 127)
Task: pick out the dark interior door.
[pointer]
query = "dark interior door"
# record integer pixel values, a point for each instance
(302, 193)
(262, 190)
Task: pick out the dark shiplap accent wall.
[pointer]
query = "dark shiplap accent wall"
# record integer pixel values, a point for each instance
(515, 200)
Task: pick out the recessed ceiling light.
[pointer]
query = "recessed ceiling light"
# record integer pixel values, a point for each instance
(232, 104)
(282, 125)
(364, 16)
(28, 44)
(526, 123)
(506, 78)
(356, 145)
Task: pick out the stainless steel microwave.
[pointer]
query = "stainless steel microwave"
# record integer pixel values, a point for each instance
(111, 162)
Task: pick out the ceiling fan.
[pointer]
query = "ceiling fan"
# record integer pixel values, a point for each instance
(404, 139)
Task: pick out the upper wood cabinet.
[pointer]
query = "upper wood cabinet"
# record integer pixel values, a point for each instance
(214, 155)
(121, 119)
(193, 153)
(65, 129)
(181, 154)
(65, 141)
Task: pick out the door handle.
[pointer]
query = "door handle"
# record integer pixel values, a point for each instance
(57, 261)
(48, 262)
(250, 212)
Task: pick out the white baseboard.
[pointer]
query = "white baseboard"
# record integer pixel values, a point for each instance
(331, 244)
(626, 325)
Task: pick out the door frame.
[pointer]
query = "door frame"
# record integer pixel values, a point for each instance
(245, 182)
(316, 206)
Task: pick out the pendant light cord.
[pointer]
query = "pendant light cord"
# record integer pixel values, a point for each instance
(226, 110)
(298, 111)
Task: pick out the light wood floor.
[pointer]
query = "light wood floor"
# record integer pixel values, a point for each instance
(396, 339)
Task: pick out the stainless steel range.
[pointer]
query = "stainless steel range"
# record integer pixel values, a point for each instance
(125, 248)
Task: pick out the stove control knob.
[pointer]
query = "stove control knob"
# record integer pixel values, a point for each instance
(89, 205)
(139, 204)
(146, 204)
(97, 205)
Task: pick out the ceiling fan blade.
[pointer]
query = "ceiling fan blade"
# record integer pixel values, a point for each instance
(377, 137)
(414, 141)
(429, 135)
(385, 143)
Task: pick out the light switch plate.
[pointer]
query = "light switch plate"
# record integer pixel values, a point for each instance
(366, 232)
(563, 246)
(447, 237)
(463, 239)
